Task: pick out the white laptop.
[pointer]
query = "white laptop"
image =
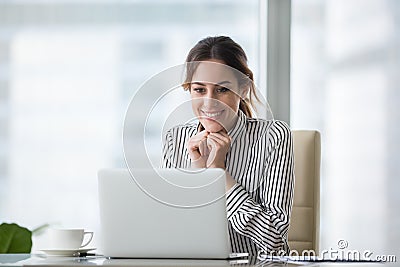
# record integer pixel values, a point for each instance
(163, 213)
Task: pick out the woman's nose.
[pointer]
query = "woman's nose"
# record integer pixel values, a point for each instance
(210, 101)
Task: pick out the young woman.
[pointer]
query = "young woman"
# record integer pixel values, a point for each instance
(257, 154)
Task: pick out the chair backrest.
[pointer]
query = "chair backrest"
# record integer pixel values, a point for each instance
(304, 223)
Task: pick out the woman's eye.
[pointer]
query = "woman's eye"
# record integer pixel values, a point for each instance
(199, 89)
(222, 89)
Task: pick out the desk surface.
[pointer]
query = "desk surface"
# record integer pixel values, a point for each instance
(42, 260)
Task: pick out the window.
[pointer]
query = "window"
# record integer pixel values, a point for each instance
(344, 82)
(67, 73)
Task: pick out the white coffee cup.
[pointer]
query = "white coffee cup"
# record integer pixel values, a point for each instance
(68, 238)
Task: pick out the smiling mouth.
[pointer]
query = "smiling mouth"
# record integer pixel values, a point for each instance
(212, 115)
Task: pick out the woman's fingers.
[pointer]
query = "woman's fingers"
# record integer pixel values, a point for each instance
(222, 141)
(219, 145)
(216, 141)
(200, 136)
(224, 137)
(210, 148)
(194, 141)
(198, 145)
(193, 151)
(204, 150)
(211, 143)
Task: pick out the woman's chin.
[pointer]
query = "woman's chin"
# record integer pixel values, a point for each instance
(212, 126)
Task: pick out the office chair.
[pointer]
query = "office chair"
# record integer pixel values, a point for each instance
(304, 223)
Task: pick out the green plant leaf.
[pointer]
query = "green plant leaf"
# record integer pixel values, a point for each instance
(15, 239)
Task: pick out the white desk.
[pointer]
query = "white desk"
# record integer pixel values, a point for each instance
(42, 260)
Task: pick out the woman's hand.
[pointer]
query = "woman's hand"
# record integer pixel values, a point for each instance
(219, 144)
(209, 149)
(198, 149)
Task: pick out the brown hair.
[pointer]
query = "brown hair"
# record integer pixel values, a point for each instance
(225, 49)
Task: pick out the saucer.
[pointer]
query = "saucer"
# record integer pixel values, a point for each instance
(66, 252)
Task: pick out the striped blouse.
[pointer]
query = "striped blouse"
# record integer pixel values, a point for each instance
(262, 163)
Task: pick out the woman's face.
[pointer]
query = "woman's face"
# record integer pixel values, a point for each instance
(215, 99)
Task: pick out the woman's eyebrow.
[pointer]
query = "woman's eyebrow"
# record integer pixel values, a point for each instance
(223, 82)
(219, 83)
(198, 83)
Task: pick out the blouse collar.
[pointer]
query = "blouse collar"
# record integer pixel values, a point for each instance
(235, 131)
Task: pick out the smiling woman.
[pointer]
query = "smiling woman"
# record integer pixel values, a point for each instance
(257, 154)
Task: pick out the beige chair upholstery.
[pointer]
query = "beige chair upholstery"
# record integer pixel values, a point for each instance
(304, 223)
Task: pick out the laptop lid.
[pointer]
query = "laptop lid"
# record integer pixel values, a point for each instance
(163, 213)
